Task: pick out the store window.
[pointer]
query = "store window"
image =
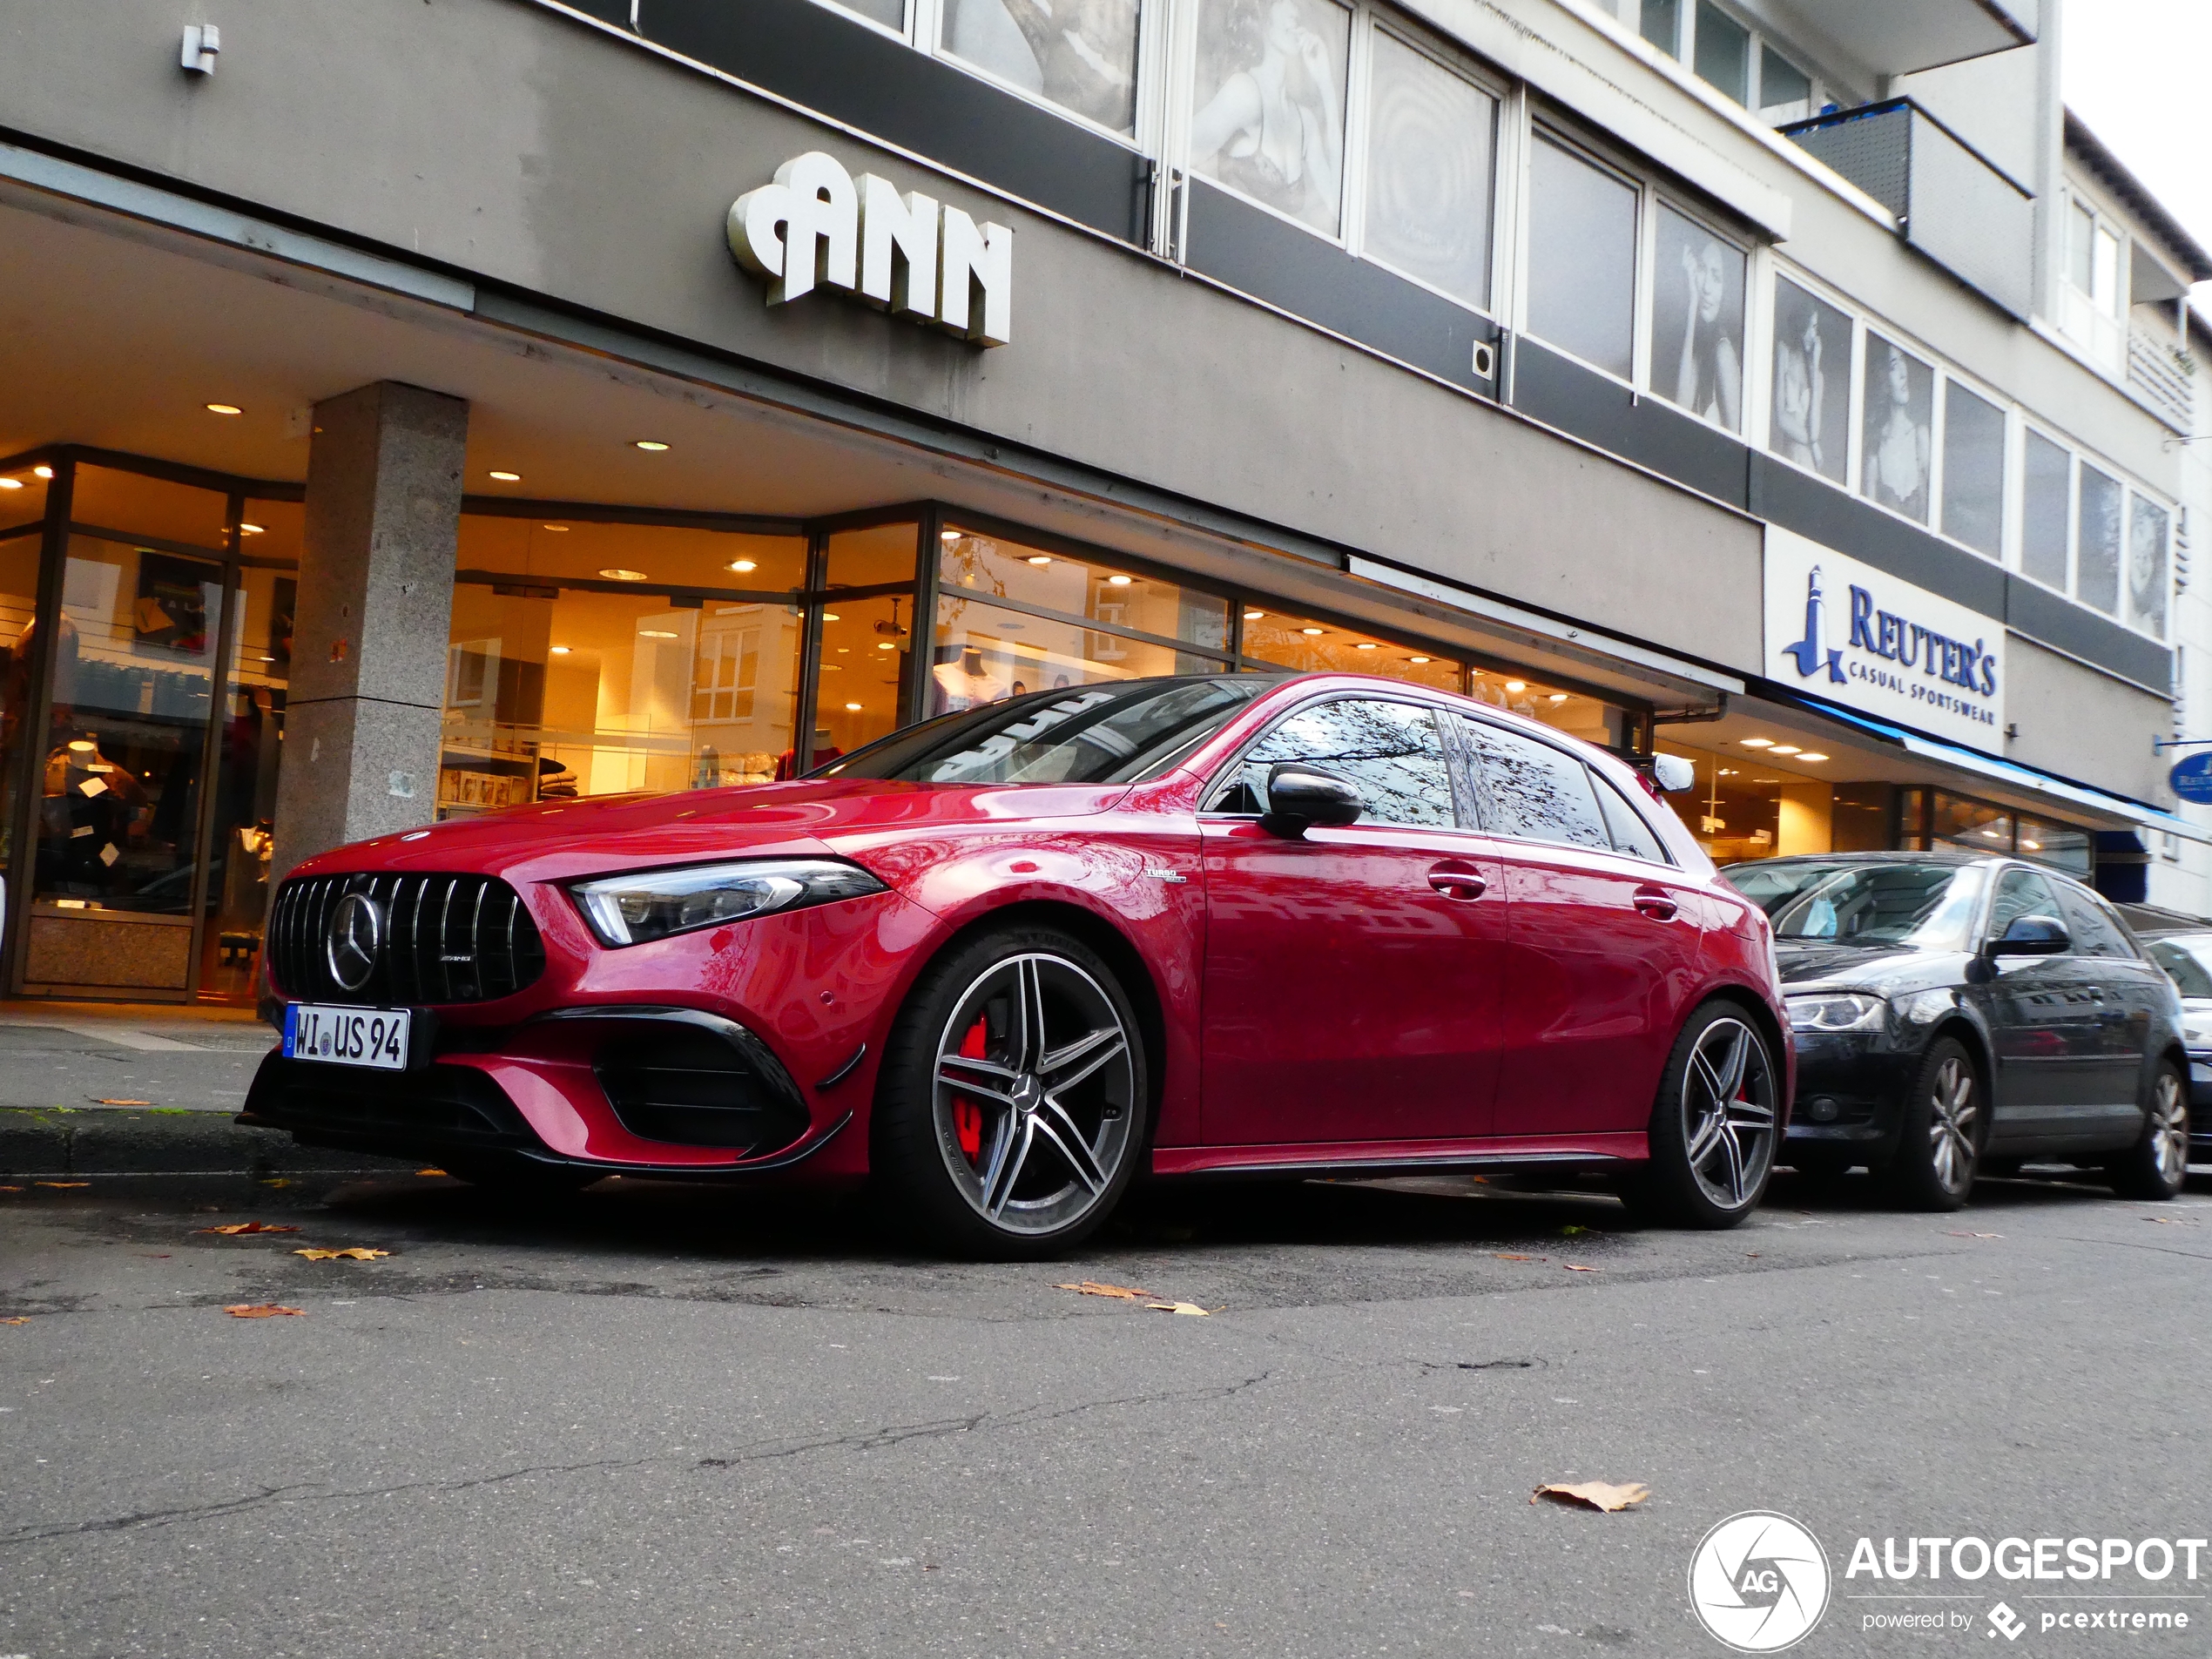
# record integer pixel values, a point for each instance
(1811, 412)
(2147, 560)
(590, 658)
(1268, 104)
(867, 620)
(1697, 359)
(1581, 257)
(1013, 618)
(20, 558)
(249, 751)
(1311, 645)
(2061, 846)
(108, 498)
(1934, 818)
(2097, 570)
(2047, 510)
(23, 498)
(1898, 444)
(1082, 58)
(1431, 143)
(1973, 471)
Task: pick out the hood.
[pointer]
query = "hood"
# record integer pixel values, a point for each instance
(1888, 969)
(557, 840)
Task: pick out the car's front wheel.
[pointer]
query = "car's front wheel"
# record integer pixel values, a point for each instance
(2157, 1164)
(1940, 1132)
(1010, 1114)
(1713, 1129)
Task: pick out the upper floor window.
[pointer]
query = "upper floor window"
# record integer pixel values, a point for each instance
(1729, 57)
(1432, 138)
(1697, 355)
(1896, 449)
(1081, 55)
(1810, 413)
(1268, 102)
(1723, 48)
(1973, 471)
(2092, 303)
(1581, 257)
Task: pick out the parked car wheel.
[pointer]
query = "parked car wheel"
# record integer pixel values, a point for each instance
(1010, 1116)
(1940, 1132)
(2157, 1164)
(1713, 1127)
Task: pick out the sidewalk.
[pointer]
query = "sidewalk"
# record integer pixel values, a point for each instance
(89, 1057)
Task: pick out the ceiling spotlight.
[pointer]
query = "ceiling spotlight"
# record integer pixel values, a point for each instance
(1758, 743)
(1366, 645)
(1039, 558)
(1559, 697)
(887, 644)
(83, 746)
(620, 575)
(832, 615)
(10, 483)
(42, 472)
(851, 708)
(2032, 846)
(1782, 748)
(249, 529)
(1728, 772)
(651, 446)
(558, 529)
(224, 409)
(1516, 685)
(1808, 755)
(743, 565)
(1421, 660)
(506, 477)
(949, 535)
(1119, 581)
(1254, 615)
(656, 633)
(560, 651)
(1311, 631)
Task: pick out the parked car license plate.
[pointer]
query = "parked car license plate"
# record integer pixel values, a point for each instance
(342, 1036)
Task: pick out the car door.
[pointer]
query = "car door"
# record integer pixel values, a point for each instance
(1351, 974)
(2043, 1020)
(1604, 941)
(2129, 993)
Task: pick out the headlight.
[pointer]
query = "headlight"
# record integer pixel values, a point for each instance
(653, 903)
(1834, 1011)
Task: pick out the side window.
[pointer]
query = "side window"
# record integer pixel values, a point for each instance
(1391, 751)
(2023, 893)
(2095, 932)
(1631, 833)
(1530, 790)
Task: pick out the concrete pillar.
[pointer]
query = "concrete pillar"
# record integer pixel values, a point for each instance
(369, 661)
(1806, 822)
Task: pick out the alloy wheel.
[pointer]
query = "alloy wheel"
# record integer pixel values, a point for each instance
(1728, 1112)
(2169, 1127)
(1954, 1120)
(1034, 1086)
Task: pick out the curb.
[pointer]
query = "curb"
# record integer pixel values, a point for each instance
(61, 1141)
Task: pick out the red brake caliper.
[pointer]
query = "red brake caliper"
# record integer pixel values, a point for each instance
(967, 1116)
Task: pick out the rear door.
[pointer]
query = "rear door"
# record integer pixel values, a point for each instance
(2043, 1014)
(2129, 993)
(1605, 941)
(1351, 975)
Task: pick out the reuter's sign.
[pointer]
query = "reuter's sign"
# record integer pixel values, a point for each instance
(818, 226)
(1845, 631)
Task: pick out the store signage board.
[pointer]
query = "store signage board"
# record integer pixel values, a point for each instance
(2192, 777)
(1842, 630)
(817, 227)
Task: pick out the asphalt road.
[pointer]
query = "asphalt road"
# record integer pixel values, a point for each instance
(657, 1420)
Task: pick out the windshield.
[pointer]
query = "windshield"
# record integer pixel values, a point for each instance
(1093, 734)
(1925, 907)
(2187, 962)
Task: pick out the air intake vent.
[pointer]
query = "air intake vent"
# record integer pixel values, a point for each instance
(431, 939)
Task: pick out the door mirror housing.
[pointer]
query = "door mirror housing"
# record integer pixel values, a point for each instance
(2032, 936)
(1299, 797)
(1671, 774)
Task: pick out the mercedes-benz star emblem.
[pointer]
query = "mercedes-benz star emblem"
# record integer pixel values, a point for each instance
(356, 937)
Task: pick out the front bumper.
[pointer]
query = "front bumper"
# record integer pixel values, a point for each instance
(2200, 1107)
(1851, 1085)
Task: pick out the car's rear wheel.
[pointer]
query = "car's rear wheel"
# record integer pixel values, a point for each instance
(1713, 1128)
(1939, 1133)
(2156, 1165)
(1010, 1114)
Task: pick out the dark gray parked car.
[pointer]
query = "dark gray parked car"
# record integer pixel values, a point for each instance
(1956, 1015)
(2187, 957)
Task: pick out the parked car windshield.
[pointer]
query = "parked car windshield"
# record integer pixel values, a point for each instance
(2187, 960)
(1925, 907)
(1088, 734)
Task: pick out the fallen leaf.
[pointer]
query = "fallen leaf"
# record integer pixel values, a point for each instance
(260, 1310)
(1180, 1307)
(1577, 1267)
(279, 1181)
(1959, 1235)
(102, 1100)
(1502, 1257)
(63, 1184)
(1093, 1288)
(1598, 1494)
(1571, 1229)
(236, 1227)
(11, 1189)
(1750, 1255)
(20, 1318)
(429, 1172)
(2169, 1221)
(356, 1253)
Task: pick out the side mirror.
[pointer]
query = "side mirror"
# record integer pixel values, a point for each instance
(1299, 797)
(2032, 936)
(1673, 774)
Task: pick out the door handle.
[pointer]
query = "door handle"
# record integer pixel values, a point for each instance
(1657, 906)
(1458, 881)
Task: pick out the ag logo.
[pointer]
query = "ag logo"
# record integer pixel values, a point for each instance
(1758, 1582)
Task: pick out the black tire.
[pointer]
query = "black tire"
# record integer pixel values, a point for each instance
(1713, 1127)
(2155, 1168)
(1941, 1130)
(1010, 1112)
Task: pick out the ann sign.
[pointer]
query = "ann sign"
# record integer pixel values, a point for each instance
(818, 226)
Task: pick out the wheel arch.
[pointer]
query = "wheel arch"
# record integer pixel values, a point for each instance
(1754, 1007)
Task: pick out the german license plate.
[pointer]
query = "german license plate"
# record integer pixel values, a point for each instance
(342, 1036)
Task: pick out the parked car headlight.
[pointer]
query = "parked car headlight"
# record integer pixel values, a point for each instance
(653, 903)
(1834, 1011)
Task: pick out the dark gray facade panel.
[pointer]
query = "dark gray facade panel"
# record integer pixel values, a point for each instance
(808, 53)
(613, 11)
(1562, 393)
(1812, 508)
(1272, 260)
(2040, 613)
(2084, 726)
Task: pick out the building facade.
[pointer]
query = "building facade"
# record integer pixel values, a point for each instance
(420, 409)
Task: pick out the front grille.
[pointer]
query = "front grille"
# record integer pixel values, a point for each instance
(690, 1086)
(443, 938)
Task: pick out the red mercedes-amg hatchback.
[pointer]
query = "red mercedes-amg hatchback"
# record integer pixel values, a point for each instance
(1004, 961)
